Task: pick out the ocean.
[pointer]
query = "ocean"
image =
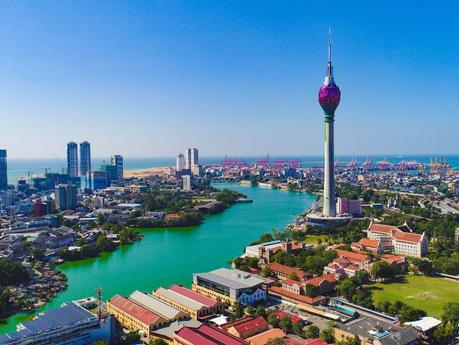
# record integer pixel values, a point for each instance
(24, 168)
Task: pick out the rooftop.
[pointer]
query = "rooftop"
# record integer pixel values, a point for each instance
(233, 278)
(136, 311)
(206, 335)
(155, 305)
(264, 337)
(181, 299)
(207, 301)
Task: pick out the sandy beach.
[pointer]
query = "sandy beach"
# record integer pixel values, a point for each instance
(159, 171)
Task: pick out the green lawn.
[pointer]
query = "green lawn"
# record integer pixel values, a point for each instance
(427, 293)
(314, 238)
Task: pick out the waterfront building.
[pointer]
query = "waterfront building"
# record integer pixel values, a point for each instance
(133, 316)
(65, 196)
(205, 334)
(85, 158)
(166, 311)
(69, 324)
(186, 183)
(99, 180)
(394, 240)
(189, 301)
(371, 331)
(231, 285)
(72, 159)
(191, 158)
(180, 163)
(117, 162)
(3, 170)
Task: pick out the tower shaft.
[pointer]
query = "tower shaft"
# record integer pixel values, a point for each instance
(329, 208)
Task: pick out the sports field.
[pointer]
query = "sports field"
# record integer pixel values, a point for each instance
(427, 293)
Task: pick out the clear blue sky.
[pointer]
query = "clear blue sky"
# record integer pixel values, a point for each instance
(149, 78)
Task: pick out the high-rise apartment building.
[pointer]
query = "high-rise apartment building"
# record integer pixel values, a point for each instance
(186, 183)
(191, 158)
(180, 163)
(65, 196)
(72, 159)
(117, 161)
(3, 170)
(85, 158)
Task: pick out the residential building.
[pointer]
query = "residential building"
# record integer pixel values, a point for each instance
(196, 170)
(205, 334)
(41, 208)
(264, 337)
(375, 332)
(368, 245)
(56, 238)
(117, 162)
(72, 159)
(3, 170)
(85, 158)
(324, 283)
(180, 163)
(69, 324)
(246, 326)
(231, 285)
(186, 183)
(192, 303)
(395, 240)
(342, 268)
(65, 196)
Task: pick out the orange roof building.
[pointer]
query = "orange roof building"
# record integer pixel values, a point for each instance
(283, 272)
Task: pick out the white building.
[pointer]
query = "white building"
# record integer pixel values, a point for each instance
(399, 242)
(186, 183)
(180, 162)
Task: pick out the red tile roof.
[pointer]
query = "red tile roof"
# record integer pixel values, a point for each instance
(291, 282)
(305, 342)
(263, 338)
(295, 296)
(293, 318)
(317, 281)
(136, 311)
(251, 323)
(382, 228)
(369, 243)
(351, 255)
(395, 232)
(206, 335)
(207, 301)
(275, 267)
(393, 258)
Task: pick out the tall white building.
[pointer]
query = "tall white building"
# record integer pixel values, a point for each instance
(191, 158)
(180, 163)
(186, 183)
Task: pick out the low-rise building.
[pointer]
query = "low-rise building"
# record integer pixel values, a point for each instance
(192, 303)
(399, 242)
(283, 272)
(205, 334)
(231, 285)
(375, 332)
(246, 327)
(69, 324)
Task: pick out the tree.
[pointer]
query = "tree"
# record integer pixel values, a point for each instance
(158, 341)
(311, 290)
(37, 254)
(327, 334)
(293, 276)
(132, 337)
(260, 311)
(285, 323)
(451, 315)
(238, 310)
(347, 288)
(361, 277)
(272, 319)
(101, 342)
(250, 311)
(298, 328)
(312, 332)
(275, 341)
(12, 272)
(266, 272)
(382, 270)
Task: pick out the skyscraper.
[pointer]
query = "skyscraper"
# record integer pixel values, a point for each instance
(85, 158)
(117, 161)
(191, 158)
(180, 162)
(329, 97)
(3, 170)
(65, 196)
(72, 159)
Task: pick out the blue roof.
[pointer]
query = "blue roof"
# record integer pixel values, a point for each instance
(67, 315)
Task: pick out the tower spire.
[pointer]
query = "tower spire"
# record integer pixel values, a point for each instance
(329, 78)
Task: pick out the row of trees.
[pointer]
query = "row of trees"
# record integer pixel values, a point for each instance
(102, 244)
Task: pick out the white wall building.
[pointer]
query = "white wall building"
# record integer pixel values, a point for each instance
(186, 183)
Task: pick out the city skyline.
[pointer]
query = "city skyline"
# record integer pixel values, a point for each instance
(243, 74)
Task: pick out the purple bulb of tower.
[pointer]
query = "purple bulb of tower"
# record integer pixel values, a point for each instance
(329, 97)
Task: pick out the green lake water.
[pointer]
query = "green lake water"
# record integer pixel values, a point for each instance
(170, 255)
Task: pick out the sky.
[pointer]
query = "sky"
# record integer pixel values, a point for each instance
(150, 78)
